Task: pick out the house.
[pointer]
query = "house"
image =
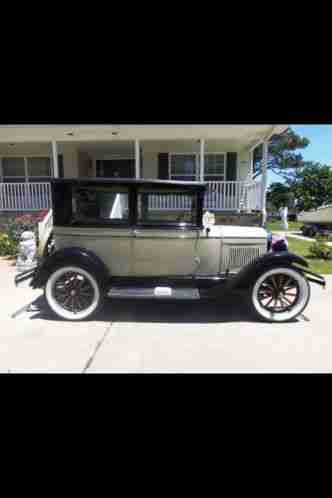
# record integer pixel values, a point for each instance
(221, 155)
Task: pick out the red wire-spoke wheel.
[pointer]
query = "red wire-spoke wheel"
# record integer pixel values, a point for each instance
(280, 294)
(73, 293)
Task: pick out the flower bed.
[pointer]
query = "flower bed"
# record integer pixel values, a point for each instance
(14, 228)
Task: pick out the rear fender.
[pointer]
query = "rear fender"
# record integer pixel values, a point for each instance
(70, 256)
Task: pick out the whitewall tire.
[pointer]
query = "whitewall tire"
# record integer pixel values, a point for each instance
(73, 293)
(280, 295)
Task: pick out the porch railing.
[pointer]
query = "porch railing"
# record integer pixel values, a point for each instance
(25, 196)
(220, 196)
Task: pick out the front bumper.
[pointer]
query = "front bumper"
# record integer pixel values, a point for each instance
(24, 276)
(312, 276)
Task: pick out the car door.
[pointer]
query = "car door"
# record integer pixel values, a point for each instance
(164, 242)
(101, 223)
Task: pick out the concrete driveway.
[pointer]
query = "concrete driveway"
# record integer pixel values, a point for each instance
(162, 337)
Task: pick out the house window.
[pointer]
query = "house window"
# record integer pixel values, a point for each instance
(183, 167)
(186, 167)
(13, 169)
(23, 169)
(214, 169)
(39, 166)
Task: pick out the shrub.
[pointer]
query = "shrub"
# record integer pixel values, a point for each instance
(7, 246)
(320, 250)
(16, 226)
(27, 222)
(14, 229)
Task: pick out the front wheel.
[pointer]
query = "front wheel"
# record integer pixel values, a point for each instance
(280, 295)
(73, 293)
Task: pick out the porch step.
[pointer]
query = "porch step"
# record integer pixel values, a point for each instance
(162, 292)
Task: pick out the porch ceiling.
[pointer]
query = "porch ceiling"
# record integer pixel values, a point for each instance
(241, 136)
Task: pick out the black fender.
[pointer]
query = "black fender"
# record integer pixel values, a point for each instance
(70, 256)
(248, 275)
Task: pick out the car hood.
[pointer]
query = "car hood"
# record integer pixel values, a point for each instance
(237, 232)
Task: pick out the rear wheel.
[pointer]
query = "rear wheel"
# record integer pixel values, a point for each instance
(280, 295)
(73, 293)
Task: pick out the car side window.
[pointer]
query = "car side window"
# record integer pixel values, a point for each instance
(100, 205)
(169, 208)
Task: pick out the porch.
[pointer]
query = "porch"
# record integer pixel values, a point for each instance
(236, 196)
(220, 155)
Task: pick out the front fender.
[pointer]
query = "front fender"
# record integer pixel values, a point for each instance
(70, 256)
(248, 275)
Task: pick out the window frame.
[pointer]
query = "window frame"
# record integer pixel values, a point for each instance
(103, 222)
(62, 194)
(167, 225)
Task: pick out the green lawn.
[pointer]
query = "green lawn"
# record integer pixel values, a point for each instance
(276, 225)
(300, 247)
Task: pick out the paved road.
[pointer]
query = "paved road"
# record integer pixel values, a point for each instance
(162, 337)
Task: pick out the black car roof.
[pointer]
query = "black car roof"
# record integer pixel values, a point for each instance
(130, 181)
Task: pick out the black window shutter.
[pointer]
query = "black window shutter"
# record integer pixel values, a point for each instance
(163, 166)
(231, 168)
(141, 163)
(60, 166)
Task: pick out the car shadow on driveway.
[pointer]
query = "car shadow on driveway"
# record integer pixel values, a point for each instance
(229, 309)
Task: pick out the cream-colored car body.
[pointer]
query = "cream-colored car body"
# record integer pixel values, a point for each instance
(167, 252)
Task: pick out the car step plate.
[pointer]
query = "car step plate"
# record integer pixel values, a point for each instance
(154, 292)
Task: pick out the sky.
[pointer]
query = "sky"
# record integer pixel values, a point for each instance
(319, 149)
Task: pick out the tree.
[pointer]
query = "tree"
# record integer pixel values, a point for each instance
(312, 185)
(282, 156)
(280, 194)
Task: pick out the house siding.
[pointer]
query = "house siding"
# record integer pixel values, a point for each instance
(152, 150)
(79, 163)
(68, 152)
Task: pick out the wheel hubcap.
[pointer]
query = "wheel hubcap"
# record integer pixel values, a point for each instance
(278, 293)
(74, 292)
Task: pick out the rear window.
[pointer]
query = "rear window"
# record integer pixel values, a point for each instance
(166, 208)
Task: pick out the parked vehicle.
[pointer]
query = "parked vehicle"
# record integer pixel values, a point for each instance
(111, 238)
(317, 221)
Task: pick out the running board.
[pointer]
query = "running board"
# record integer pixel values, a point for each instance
(189, 293)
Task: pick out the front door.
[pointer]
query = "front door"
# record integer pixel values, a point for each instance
(115, 168)
(166, 253)
(165, 238)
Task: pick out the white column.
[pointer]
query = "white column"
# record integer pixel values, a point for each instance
(201, 157)
(137, 159)
(55, 159)
(251, 165)
(264, 180)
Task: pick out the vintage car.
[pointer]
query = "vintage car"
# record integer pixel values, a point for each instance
(138, 239)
